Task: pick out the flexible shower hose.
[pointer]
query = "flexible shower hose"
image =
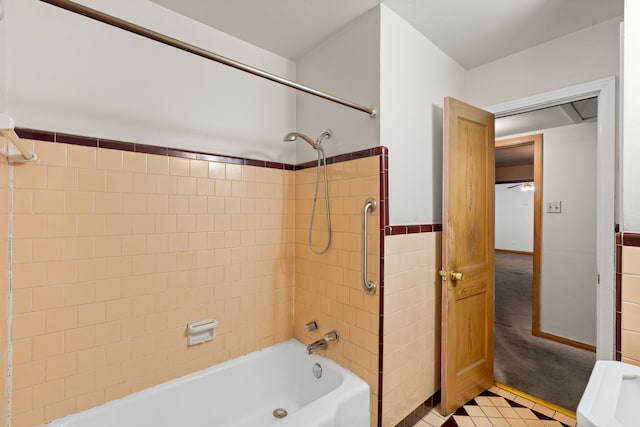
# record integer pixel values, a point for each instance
(321, 160)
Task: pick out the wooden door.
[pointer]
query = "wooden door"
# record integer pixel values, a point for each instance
(467, 253)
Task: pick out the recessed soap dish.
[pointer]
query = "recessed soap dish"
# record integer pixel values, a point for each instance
(201, 331)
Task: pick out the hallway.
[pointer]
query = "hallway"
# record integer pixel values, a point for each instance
(553, 372)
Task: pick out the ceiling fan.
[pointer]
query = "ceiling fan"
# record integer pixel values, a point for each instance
(524, 186)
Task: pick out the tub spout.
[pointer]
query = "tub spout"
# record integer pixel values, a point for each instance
(321, 344)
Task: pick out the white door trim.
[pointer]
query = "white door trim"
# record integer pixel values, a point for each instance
(605, 90)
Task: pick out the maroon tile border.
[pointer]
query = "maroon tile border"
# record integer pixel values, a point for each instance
(368, 152)
(116, 145)
(36, 134)
(619, 296)
(383, 205)
(87, 141)
(394, 230)
(629, 239)
(70, 139)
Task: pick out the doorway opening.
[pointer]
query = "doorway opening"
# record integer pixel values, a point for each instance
(522, 348)
(519, 171)
(604, 188)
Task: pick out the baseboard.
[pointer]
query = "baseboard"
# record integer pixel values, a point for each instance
(565, 341)
(417, 414)
(511, 251)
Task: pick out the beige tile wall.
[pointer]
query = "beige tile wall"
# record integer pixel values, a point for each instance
(631, 304)
(114, 252)
(411, 360)
(4, 275)
(328, 287)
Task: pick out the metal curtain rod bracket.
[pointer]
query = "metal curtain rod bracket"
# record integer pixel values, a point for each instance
(22, 155)
(170, 41)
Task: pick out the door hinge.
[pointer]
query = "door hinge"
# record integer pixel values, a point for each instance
(598, 275)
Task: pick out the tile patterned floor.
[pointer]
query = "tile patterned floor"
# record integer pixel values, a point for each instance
(498, 408)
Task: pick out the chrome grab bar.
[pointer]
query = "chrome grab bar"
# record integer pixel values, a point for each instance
(368, 286)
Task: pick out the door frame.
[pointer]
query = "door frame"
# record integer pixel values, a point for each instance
(536, 141)
(605, 90)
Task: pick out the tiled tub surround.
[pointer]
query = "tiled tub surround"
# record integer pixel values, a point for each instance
(116, 243)
(115, 251)
(629, 298)
(328, 287)
(411, 360)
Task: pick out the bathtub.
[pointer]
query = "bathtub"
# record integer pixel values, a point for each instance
(244, 392)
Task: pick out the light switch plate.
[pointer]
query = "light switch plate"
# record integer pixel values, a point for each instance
(554, 207)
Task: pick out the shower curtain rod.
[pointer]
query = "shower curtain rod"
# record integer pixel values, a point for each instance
(153, 35)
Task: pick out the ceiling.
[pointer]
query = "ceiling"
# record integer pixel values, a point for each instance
(471, 32)
(288, 28)
(514, 156)
(547, 118)
(585, 110)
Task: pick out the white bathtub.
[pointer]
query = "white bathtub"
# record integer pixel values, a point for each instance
(243, 392)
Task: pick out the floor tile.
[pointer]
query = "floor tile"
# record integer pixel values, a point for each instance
(484, 401)
(571, 422)
(499, 422)
(506, 394)
(493, 410)
(525, 413)
(544, 410)
(524, 402)
(434, 418)
(481, 422)
(508, 413)
(474, 411)
(463, 421)
(499, 401)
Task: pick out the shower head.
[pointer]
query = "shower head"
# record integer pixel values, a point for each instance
(292, 136)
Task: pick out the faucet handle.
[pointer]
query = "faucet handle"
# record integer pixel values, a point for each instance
(332, 336)
(311, 326)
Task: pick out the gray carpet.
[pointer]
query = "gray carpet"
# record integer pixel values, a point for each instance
(545, 369)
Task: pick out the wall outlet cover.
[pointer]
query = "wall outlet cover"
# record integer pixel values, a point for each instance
(554, 207)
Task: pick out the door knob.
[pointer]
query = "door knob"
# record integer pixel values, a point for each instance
(456, 275)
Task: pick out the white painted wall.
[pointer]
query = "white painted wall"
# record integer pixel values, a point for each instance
(415, 76)
(568, 265)
(513, 218)
(631, 112)
(3, 60)
(71, 74)
(347, 65)
(583, 56)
